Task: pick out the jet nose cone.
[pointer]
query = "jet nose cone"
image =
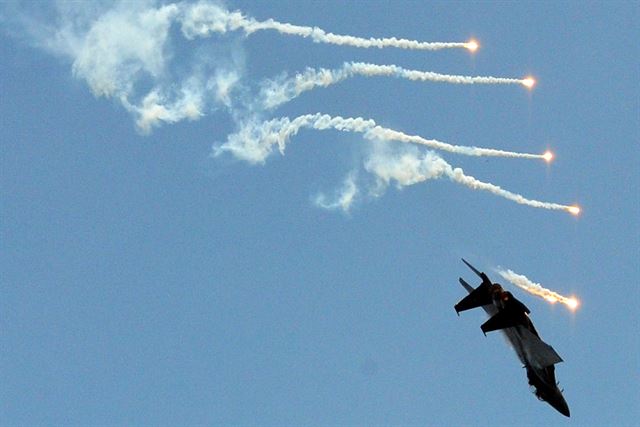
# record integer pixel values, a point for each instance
(565, 410)
(561, 406)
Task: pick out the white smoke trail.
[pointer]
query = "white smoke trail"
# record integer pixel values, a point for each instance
(277, 92)
(537, 289)
(253, 142)
(458, 176)
(203, 18)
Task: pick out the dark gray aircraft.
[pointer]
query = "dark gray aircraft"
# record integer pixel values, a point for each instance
(511, 317)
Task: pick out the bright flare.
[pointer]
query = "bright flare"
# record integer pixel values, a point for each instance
(472, 45)
(536, 289)
(547, 156)
(529, 82)
(573, 303)
(574, 210)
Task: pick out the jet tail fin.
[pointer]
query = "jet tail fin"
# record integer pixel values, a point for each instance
(482, 275)
(472, 267)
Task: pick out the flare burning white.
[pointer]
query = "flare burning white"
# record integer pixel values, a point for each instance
(537, 289)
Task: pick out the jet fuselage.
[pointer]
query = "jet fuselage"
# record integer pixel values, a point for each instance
(510, 316)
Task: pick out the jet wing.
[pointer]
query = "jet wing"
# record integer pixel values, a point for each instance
(538, 353)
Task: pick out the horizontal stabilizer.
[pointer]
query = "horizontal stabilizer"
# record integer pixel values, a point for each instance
(501, 320)
(477, 298)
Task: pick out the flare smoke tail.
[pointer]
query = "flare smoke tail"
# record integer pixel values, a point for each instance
(202, 19)
(278, 132)
(277, 92)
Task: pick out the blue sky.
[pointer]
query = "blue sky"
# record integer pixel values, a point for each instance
(147, 281)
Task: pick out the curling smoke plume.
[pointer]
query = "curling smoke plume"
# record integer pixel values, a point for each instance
(280, 91)
(523, 282)
(124, 52)
(204, 18)
(254, 141)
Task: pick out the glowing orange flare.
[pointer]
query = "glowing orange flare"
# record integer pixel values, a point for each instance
(547, 156)
(573, 303)
(529, 82)
(537, 289)
(472, 45)
(574, 210)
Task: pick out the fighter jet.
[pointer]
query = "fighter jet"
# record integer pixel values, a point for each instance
(511, 317)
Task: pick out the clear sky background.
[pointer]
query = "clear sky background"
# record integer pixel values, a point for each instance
(145, 282)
